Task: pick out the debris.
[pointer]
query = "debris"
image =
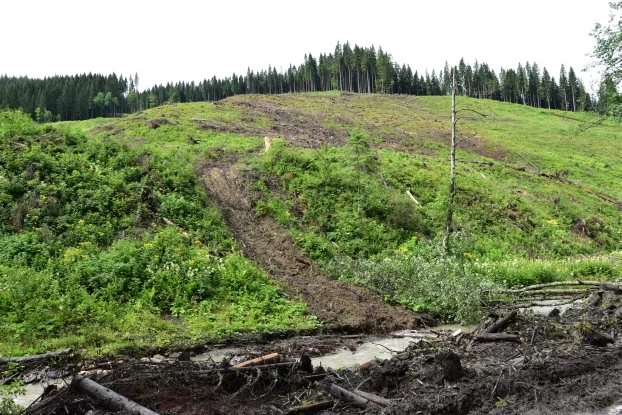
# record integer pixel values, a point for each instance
(263, 360)
(110, 399)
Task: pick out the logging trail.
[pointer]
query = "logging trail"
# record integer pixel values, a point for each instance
(341, 307)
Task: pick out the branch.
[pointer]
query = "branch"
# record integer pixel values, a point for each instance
(553, 284)
(476, 112)
(530, 163)
(45, 356)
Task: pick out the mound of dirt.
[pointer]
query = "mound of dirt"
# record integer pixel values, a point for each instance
(339, 306)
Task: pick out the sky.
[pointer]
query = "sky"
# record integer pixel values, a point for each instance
(166, 41)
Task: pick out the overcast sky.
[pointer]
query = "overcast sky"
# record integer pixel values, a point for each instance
(191, 40)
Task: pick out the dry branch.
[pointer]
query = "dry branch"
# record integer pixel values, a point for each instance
(500, 324)
(553, 284)
(263, 360)
(108, 398)
(307, 409)
(412, 197)
(496, 337)
(242, 369)
(347, 396)
(555, 293)
(44, 356)
(374, 398)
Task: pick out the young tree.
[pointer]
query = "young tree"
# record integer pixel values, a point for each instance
(608, 56)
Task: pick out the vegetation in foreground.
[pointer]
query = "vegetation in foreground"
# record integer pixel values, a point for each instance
(88, 260)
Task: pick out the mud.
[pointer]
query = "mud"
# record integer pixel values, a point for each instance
(556, 368)
(341, 307)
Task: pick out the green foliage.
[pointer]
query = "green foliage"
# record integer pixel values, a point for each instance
(426, 281)
(345, 203)
(86, 252)
(11, 389)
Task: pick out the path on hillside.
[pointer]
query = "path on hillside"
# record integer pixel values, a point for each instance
(338, 305)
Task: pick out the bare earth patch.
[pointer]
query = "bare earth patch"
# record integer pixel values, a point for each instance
(340, 306)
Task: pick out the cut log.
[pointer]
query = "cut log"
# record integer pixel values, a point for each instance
(44, 356)
(374, 398)
(108, 398)
(497, 337)
(263, 360)
(347, 396)
(500, 324)
(314, 407)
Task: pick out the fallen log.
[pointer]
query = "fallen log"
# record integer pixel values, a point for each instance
(314, 407)
(552, 284)
(44, 356)
(374, 398)
(347, 396)
(414, 334)
(108, 398)
(500, 324)
(555, 293)
(496, 337)
(263, 360)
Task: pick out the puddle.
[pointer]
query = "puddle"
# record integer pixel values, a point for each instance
(612, 410)
(35, 390)
(216, 355)
(375, 349)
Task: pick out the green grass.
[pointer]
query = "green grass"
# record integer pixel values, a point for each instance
(87, 260)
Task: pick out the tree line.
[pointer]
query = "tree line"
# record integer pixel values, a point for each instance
(352, 69)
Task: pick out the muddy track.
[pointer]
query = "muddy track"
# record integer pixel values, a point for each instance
(341, 307)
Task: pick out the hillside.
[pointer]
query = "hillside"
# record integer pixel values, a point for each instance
(131, 225)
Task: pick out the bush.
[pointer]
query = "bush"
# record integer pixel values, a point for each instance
(427, 281)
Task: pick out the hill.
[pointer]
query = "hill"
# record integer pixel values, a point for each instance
(129, 226)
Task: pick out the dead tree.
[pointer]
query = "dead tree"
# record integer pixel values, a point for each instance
(452, 171)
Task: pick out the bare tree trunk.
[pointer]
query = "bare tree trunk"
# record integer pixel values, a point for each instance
(109, 399)
(452, 171)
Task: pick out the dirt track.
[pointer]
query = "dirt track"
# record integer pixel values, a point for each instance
(339, 306)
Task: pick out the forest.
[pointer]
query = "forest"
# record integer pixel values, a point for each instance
(348, 69)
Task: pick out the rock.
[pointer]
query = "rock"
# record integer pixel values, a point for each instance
(450, 366)
(610, 287)
(184, 356)
(597, 339)
(610, 296)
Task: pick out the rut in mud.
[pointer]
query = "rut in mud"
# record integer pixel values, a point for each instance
(341, 307)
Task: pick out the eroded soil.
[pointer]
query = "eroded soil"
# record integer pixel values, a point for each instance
(341, 307)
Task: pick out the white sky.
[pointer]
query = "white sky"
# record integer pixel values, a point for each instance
(191, 40)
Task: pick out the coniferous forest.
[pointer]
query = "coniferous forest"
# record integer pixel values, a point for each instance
(358, 70)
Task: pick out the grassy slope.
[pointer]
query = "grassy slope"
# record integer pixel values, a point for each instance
(353, 206)
(87, 261)
(507, 212)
